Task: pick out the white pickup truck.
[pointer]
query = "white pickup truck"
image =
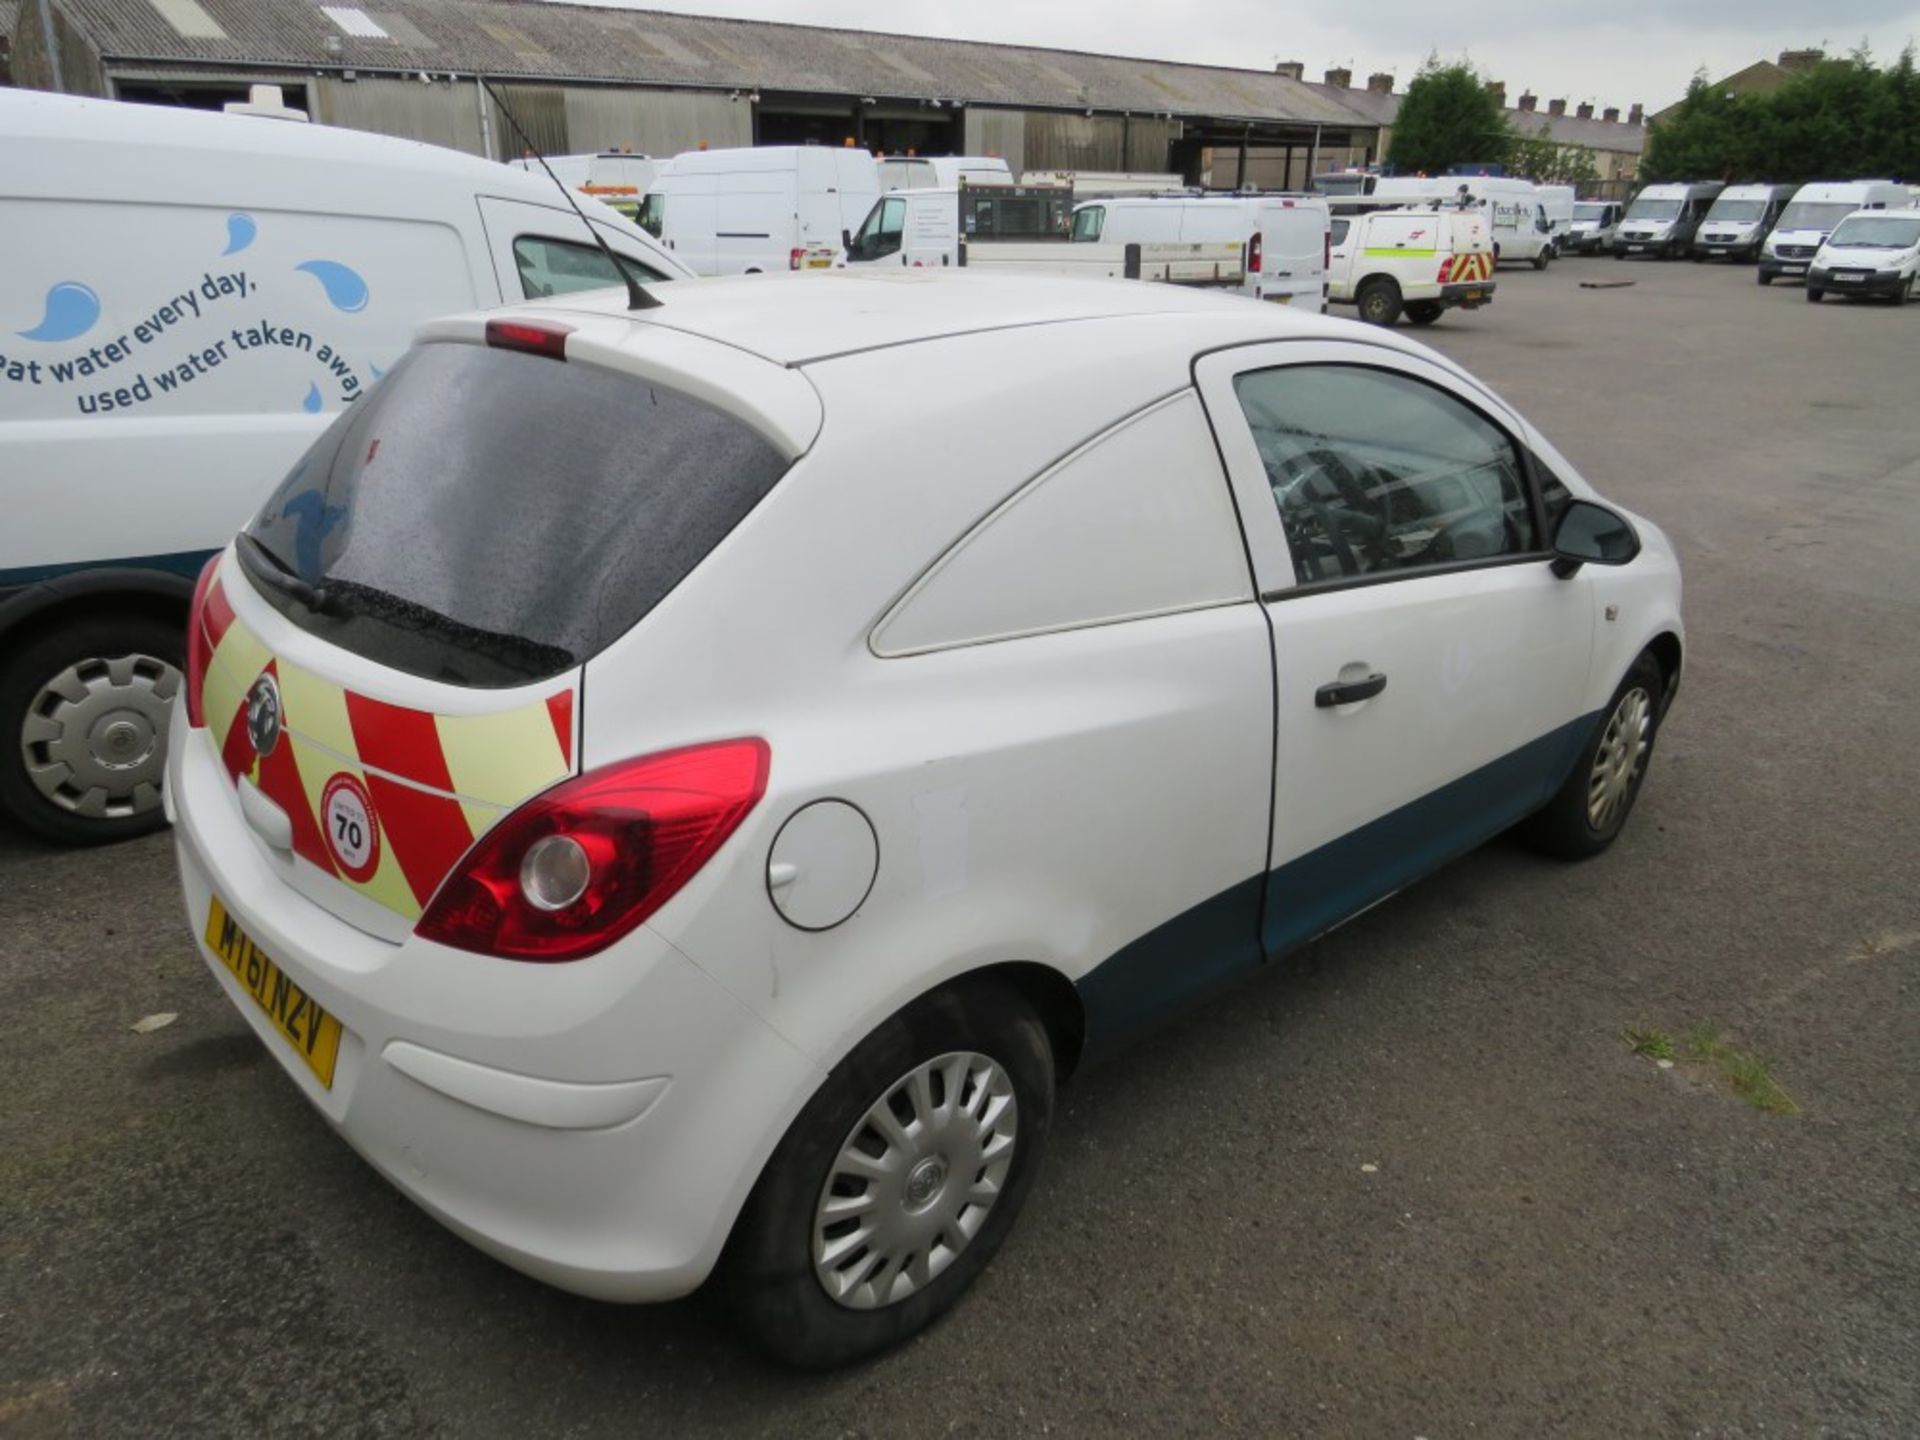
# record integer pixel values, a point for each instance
(1018, 227)
(1416, 262)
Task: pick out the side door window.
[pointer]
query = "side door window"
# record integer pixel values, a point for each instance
(1376, 474)
(889, 227)
(560, 267)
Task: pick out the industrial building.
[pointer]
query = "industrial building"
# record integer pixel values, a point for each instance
(584, 78)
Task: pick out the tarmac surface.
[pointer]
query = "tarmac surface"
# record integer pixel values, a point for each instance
(1412, 1183)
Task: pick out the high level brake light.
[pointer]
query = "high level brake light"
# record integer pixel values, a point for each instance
(546, 338)
(581, 865)
(199, 645)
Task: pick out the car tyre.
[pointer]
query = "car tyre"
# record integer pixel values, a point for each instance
(1379, 301)
(1587, 813)
(776, 1267)
(1424, 312)
(95, 694)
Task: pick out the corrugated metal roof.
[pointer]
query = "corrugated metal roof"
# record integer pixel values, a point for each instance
(9, 10)
(577, 42)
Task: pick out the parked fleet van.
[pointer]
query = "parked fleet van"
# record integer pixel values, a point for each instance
(934, 172)
(1516, 220)
(1871, 252)
(1558, 202)
(1663, 219)
(1594, 225)
(1287, 236)
(761, 208)
(1417, 262)
(1739, 221)
(188, 300)
(1811, 216)
(1088, 183)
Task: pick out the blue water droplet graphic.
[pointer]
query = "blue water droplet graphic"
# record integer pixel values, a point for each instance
(312, 403)
(377, 371)
(72, 310)
(240, 233)
(342, 283)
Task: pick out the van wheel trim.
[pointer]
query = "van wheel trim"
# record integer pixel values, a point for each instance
(94, 739)
(888, 1223)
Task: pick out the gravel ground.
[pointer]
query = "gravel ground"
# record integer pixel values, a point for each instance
(1412, 1184)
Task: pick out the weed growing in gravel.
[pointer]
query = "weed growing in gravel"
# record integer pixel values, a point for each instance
(1654, 1044)
(1747, 1074)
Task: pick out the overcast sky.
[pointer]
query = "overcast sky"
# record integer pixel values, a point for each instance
(1613, 52)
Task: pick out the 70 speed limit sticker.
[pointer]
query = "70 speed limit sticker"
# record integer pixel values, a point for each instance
(353, 834)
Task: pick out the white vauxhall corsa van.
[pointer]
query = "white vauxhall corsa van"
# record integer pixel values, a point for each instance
(1287, 236)
(637, 938)
(1812, 215)
(761, 209)
(1871, 252)
(187, 300)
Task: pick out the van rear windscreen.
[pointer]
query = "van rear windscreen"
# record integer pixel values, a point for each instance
(490, 518)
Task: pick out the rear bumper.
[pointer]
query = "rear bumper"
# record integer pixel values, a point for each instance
(597, 1124)
(1467, 297)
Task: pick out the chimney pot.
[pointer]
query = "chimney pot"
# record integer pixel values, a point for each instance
(1529, 102)
(1611, 115)
(1292, 69)
(1585, 112)
(1637, 115)
(1498, 89)
(1801, 59)
(1556, 107)
(1339, 79)
(1380, 83)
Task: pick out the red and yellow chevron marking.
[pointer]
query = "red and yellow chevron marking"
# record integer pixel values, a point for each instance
(437, 782)
(1473, 265)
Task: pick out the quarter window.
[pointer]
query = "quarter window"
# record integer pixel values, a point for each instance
(1377, 474)
(561, 267)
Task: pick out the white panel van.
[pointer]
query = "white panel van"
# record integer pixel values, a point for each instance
(1286, 235)
(760, 209)
(1811, 217)
(1516, 218)
(188, 300)
(1739, 222)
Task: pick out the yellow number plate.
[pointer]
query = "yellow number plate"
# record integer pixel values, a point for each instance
(313, 1033)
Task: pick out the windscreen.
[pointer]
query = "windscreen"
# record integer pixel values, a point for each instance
(1088, 223)
(1646, 209)
(1740, 212)
(1814, 215)
(1880, 232)
(491, 518)
(1589, 212)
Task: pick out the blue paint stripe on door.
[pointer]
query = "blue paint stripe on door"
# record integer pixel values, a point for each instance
(1179, 963)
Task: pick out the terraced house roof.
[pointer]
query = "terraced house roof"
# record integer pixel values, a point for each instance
(531, 39)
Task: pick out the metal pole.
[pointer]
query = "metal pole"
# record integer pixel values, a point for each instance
(486, 121)
(1240, 179)
(53, 47)
(1313, 158)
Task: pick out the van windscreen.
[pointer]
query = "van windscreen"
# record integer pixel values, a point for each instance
(1814, 214)
(489, 518)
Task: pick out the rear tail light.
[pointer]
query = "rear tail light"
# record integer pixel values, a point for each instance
(1254, 247)
(199, 645)
(1446, 269)
(580, 865)
(794, 257)
(544, 339)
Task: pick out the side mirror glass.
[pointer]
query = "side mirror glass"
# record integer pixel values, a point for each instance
(1591, 534)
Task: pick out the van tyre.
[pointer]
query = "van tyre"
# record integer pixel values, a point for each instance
(1587, 813)
(1379, 301)
(937, 1122)
(83, 727)
(1814, 297)
(1424, 312)
(1543, 259)
(1763, 278)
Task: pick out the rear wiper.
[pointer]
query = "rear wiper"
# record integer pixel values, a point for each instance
(263, 564)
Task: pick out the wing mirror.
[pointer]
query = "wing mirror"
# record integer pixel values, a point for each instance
(846, 243)
(1591, 534)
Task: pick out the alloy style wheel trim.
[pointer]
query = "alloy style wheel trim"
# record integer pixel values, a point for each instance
(94, 739)
(915, 1180)
(1621, 757)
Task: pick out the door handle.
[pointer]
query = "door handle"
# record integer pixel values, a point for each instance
(1349, 692)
